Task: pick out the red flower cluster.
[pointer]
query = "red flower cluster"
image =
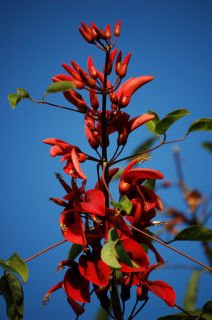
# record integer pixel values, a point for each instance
(101, 233)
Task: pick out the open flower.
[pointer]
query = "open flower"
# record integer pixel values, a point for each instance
(75, 286)
(162, 289)
(72, 155)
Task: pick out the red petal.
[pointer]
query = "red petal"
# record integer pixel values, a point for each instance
(76, 286)
(137, 254)
(152, 197)
(76, 164)
(95, 203)
(137, 174)
(77, 308)
(95, 271)
(162, 290)
(138, 121)
(135, 84)
(72, 227)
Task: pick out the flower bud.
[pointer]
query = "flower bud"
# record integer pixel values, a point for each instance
(91, 69)
(114, 98)
(107, 32)
(118, 62)
(87, 36)
(93, 99)
(117, 29)
(86, 79)
(110, 62)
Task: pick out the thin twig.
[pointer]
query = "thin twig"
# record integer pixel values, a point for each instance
(166, 245)
(47, 249)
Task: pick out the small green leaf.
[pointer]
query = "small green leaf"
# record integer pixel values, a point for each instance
(194, 233)
(144, 146)
(191, 293)
(74, 251)
(60, 86)
(207, 308)
(163, 125)
(152, 123)
(126, 204)
(117, 175)
(203, 124)
(14, 98)
(13, 294)
(120, 252)
(150, 184)
(108, 255)
(207, 145)
(115, 205)
(17, 265)
(22, 93)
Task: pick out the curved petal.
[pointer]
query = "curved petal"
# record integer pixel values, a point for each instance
(94, 270)
(137, 254)
(76, 286)
(95, 203)
(72, 227)
(163, 290)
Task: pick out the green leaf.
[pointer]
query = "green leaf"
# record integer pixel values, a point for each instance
(13, 294)
(17, 265)
(14, 98)
(191, 293)
(117, 175)
(126, 204)
(145, 145)
(194, 233)
(207, 145)
(22, 93)
(163, 125)
(74, 251)
(60, 86)
(152, 123)
(203, 124)
(207, 308)
(108, 255)
(120, 252)
(150, 184)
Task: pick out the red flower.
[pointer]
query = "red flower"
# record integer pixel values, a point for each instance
(162, 289)
(71, 153)
(75, 286)
(94, 269)
(72, 227)
(132, 177)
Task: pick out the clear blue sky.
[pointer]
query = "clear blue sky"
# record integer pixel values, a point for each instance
(168, 39)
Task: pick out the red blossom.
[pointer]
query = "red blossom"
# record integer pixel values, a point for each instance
(71, 153)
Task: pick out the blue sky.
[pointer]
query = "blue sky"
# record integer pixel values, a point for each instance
(168, 39)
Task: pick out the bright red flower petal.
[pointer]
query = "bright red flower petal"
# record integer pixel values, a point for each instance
(76, 286)
(95, 203)
(72, 227)
(95, 271)
(162, 290)
(137, 254)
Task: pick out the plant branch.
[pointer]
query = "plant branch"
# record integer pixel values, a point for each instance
(166, 245)
(45, 250)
